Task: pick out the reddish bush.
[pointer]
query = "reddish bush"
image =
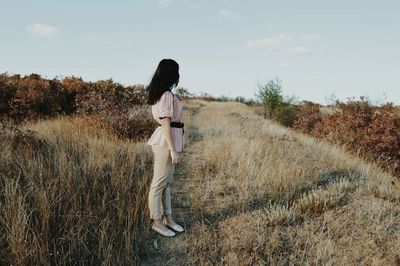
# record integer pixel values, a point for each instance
(309, 116)
(121, 108)
(7, 92)
(34, 97)
(374, 131)
(136, 124)
(70, 87)
(107, 96)
(99, 97)
(124, 109)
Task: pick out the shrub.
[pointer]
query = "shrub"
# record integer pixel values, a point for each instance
(98, 98)
(184, 93)
(34, 97)
(123, 109)
(7, 92)
(107, 96)
(205, 97)
(70, 88)
(286, 114)
(270, 95)
(372, 131)
(136, 124)
(308, 117)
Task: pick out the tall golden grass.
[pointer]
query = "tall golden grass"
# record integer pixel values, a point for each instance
(71, 193)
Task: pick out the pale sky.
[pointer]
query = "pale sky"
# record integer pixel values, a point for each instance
(224, 47)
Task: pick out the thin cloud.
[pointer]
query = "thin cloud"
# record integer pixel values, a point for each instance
(283, 44)
(39, 29)
(165, 3)
(228, 14)
(282, 39)
(298, 50)
(311, 37)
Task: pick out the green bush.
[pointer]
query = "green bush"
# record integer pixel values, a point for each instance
(286, 114)
(270, 95)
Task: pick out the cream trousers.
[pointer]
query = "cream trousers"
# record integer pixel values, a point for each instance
(160, 189)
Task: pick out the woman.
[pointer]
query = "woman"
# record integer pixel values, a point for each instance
(167, 141)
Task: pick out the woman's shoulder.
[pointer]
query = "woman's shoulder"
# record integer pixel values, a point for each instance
(166, 96)
(169, 93)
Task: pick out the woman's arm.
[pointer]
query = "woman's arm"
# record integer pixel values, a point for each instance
(165, 123)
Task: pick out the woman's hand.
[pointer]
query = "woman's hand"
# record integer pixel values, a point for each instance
(174, 156)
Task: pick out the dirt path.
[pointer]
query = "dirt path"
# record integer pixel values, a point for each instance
(171, 251)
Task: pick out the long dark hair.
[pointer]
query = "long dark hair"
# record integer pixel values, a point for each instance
(165, 77)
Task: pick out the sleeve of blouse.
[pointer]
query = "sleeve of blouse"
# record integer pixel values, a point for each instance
(166, 105)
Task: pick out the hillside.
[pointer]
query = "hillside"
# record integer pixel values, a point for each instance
(252, 192)
(247, 190)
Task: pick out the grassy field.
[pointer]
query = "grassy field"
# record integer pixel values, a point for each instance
(253, 192)
(71, 194)
(247, 190)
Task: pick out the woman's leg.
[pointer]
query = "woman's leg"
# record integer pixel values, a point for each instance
(167, 190)
(162, 161)
(167, 197)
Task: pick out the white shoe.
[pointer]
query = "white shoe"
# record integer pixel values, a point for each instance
(176, 227)
(167, 233)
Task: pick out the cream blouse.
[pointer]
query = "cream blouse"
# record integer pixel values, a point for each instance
(169, 105)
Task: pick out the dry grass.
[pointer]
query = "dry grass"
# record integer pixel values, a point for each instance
(251, 192)
(264, 194)
(72, 194)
